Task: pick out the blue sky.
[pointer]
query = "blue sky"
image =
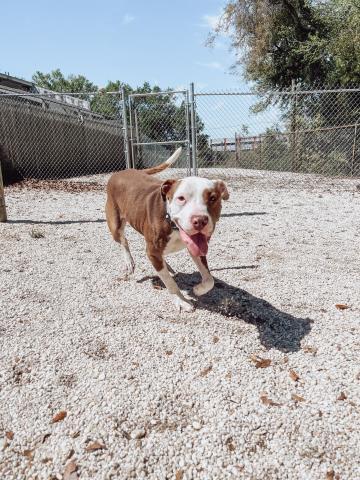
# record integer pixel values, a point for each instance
(159, 41)
(133, 41)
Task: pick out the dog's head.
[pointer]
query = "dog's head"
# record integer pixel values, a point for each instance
(194, 204)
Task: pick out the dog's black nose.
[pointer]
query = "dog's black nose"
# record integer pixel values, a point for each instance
(199, 221)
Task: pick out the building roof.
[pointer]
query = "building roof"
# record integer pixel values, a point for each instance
(7, 82)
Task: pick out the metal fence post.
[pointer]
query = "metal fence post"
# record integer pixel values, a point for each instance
(188, 145)
(353, 156)
(193, 130)
(125, 129)
(3, 216)
(134, 150)
(294, 113)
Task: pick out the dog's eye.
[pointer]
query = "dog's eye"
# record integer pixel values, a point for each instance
(181, 199)
(213, 198)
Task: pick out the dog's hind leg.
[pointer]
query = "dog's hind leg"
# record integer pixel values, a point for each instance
(116, 226)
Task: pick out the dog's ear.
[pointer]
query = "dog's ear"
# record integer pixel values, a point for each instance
(166, 187)
(221, 186)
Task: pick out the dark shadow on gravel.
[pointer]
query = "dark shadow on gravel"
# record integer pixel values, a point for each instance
(243, 214)
(55, 222)
(156, 282)
(277, 329)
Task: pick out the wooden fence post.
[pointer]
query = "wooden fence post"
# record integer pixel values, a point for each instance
(3, 217)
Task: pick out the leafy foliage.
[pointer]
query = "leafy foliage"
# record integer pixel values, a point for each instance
(158, 118)
(309, 41)
(56, 82)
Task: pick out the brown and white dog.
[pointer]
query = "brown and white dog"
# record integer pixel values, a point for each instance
(171, 215)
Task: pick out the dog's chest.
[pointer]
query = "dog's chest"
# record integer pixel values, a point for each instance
(175, 244)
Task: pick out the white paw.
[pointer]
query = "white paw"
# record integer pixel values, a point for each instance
(203, 287)
(183, 305)
(128, 270)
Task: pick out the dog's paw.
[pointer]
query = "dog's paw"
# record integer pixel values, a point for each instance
(203, 287)
(128, 270)
(182, 304)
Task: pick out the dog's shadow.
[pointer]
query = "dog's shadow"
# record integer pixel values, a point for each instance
(277, 329)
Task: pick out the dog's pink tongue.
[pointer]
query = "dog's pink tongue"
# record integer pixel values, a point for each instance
(197, 244)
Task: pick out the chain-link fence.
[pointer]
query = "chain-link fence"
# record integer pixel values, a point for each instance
(61, 135)
(222, 133)
(297, 130)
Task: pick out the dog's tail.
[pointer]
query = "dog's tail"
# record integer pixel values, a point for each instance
(165, 165)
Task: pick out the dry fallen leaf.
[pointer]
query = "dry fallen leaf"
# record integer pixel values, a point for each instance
(267, 401)
(230, 444)
(45, 437)
(28, 454)
(215, 339)
(293, 375)
(179, 475)
(308, 349)
(70, 471)
(207, 370)
(260, 362)
(342, 396)
(169, 352)
(341, 306)
(93, 446)
(70, 454)
(228, 376)
(330, 475)
(9, 435)
(59, 416)
(297, 398)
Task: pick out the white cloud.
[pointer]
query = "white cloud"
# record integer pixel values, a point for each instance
(210, 21)
(127, 18)
(213, 65)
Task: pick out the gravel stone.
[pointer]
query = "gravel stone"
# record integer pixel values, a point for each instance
(77, 338)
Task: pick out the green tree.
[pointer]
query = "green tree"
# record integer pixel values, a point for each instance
(158, 118)
(310, 41)
(314, 43)
(56, 82)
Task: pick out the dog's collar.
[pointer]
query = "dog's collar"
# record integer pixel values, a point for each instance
(171, 222)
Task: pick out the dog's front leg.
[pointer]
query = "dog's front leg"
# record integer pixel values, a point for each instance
(207, 281)
(160, 266)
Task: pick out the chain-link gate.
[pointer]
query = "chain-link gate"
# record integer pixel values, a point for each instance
(158, 122)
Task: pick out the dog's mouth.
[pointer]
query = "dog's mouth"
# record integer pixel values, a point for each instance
(197, 244)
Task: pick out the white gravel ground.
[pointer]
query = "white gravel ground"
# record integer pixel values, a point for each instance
(152, 394)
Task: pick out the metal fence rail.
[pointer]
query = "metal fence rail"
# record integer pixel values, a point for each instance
(308, 131)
